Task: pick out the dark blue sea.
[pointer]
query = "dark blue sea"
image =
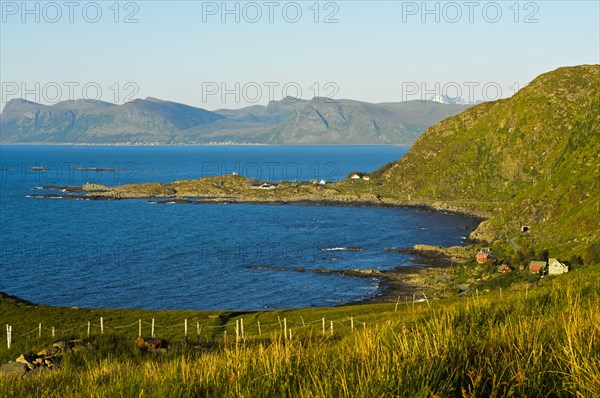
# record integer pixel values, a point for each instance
(134, 254)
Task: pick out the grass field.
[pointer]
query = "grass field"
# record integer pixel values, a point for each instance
(544, 341)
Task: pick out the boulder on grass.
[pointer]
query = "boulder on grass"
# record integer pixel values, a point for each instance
(14, 369)
(39, 371)
(150, 344)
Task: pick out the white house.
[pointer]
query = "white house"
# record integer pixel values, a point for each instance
(263, 186)
(355, 176)
(366, 178)
(322, 182)
(555, 267)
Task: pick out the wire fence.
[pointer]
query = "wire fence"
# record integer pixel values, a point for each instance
(240, 328)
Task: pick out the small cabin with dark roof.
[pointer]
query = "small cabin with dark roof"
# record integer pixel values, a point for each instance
(505, 269)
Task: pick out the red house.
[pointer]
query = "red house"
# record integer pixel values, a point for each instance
(484, 255)
(537, 266)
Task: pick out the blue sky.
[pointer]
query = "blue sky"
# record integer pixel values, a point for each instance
(196, 52)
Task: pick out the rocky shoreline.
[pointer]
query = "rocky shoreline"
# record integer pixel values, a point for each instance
(407, 281)
(423, 280)
(428, 277)
(314, 195)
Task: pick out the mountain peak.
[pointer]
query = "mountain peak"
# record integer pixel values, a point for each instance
(153, 99)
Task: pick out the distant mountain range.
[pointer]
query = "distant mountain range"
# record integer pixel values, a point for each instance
(288, 121)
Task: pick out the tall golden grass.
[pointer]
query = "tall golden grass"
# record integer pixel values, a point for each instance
(545, 342)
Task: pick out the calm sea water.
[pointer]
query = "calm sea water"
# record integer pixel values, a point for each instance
(133, 254)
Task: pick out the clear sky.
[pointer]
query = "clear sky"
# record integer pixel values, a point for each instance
(232, 54)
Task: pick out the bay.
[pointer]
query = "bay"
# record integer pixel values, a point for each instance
(133, 254)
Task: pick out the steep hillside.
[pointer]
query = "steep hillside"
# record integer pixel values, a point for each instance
(530, 160)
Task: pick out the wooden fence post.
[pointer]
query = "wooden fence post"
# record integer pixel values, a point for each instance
(259, 331)
(331, 327)
(53, 332)
(285, 328)
(242, 328)
(185, 329)
(323, 325)
(101, 325)
(152, 328)
(40, 330)
(89, 327)
(139, 328)
(237, 331)
(8, 335)
(198, 331)
(352, 323)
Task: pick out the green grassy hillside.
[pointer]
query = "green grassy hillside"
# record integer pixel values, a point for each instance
(537, 342)
(532, 159)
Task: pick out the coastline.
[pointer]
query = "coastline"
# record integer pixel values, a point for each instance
(96, 192)
(425, 279)
(422, 278)
(404, 283)
(149, 144)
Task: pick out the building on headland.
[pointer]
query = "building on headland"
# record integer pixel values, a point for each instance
(355, 176)
(263, 186)
(538, 267)
(366, 178)
(484, 255)
(555, 267)
(322, 182)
